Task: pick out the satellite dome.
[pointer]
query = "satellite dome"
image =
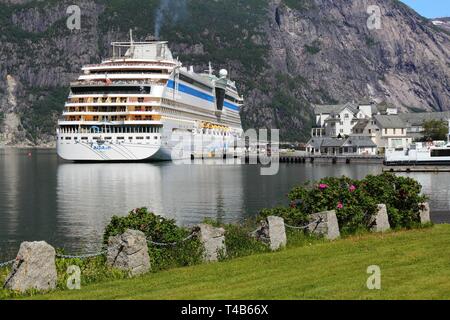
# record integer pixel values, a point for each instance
(223, 73)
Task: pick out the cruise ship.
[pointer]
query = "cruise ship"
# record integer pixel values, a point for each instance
(143, 104)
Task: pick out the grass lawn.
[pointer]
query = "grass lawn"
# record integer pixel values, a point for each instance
(414, 265)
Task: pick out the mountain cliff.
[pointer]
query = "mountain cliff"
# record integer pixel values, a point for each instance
(284, 54)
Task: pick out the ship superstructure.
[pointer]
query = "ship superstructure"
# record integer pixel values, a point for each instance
(142, 104)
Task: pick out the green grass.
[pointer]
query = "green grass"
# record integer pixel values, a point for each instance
(414, 265)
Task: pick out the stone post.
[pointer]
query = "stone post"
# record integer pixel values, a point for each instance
(327, 225)
(213, 240)
(380, 221)
(34, 268)
(425, 216)
(272, 231)
(129, 252)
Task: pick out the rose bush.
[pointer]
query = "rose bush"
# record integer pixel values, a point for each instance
(355, 201)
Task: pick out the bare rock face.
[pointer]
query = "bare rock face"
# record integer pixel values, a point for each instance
(129, 252)
(34, 268)
(425, 213)
(213, 240)
(273, 232)
(380, 221)
(325, 224)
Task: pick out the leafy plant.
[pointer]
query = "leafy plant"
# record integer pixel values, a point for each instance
(160, 230)
(355, 201)
(435, 130)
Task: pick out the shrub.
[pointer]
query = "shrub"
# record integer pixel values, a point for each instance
(160, 230)
(355, 201)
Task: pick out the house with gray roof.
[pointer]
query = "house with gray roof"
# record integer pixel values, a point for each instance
(393, 133)
(415, 121)
(335, 120)
(360, 145)
(364, 128)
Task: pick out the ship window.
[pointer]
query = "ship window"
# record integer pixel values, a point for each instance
(84, 138)
(68, 138)
(140, 138)
(194, 82)
(230, 98)
(440, 153)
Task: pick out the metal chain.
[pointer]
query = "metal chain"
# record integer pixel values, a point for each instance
(171, 244)
(83, 256)
(318, 221)
(7, 263)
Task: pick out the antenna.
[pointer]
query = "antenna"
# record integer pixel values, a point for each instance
(131, 36)
(210, 69)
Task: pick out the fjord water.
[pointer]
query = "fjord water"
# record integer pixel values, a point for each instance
(69, 204)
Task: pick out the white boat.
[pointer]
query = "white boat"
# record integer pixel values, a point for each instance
(436, 153)
(142, 104)
(421, 153)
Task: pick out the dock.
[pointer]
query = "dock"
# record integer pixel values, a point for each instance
(411, 169)
(334, 159)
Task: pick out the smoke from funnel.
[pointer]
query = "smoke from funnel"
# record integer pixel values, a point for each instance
(169, 12)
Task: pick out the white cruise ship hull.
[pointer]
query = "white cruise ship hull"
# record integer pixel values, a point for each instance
(106, 152)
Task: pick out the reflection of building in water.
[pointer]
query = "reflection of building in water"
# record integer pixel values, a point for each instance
(88, 195)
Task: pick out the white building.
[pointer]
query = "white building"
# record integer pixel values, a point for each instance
(362, 129)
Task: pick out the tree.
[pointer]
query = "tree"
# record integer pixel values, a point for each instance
(435, 130)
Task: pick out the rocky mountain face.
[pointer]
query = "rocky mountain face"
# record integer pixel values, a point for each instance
(285, 55)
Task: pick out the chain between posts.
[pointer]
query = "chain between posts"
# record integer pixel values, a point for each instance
(171, 244)
(316, 222)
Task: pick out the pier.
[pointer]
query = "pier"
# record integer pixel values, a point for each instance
(334, 159)
(413, 168)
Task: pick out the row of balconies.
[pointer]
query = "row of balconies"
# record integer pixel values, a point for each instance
(97, 100)
(110, 109)
(113, 118)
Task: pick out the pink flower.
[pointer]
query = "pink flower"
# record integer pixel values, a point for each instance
(323, 186)
(352, 188)
(340, 205)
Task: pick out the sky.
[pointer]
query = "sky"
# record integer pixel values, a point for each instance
(430, 8)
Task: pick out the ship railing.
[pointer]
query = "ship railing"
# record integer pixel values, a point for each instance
(120, 82)
(118, 63)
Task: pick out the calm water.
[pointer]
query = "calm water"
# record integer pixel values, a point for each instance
(68, 205)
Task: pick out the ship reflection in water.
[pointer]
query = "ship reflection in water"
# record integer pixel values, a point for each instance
(89, 194)
(69, 204)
